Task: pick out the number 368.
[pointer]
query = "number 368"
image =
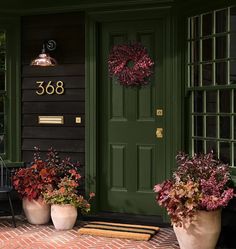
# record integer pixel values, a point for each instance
(50, 88)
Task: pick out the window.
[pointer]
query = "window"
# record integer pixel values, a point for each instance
(212, 82)
(2, 89)
(10, 121)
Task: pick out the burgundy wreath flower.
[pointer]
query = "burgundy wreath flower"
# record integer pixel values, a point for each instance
(130, 64)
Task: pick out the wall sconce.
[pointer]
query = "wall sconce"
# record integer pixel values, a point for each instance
(44, 59)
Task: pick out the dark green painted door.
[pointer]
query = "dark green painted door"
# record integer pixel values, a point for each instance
(132, 159)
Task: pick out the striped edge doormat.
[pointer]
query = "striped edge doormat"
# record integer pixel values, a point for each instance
(119, 230)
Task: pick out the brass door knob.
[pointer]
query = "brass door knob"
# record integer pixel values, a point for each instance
(159, 132)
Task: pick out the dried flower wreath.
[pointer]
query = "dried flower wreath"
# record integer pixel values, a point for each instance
(130, 64)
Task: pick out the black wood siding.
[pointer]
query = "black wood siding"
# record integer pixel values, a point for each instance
(67, 30)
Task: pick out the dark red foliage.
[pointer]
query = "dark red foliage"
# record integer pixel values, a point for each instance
(130, 64)
(30, 182)
(200, 182)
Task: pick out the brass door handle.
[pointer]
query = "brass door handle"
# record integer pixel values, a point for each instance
(159, 132)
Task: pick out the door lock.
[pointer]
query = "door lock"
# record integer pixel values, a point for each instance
(159, 112)
(159, 132)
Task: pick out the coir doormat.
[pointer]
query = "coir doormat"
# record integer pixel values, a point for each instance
(119, 230)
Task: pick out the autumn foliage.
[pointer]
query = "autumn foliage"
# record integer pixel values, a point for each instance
(30, 182)
(200, 182)
(55, 180)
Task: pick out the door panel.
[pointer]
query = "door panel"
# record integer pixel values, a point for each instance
(132, 159)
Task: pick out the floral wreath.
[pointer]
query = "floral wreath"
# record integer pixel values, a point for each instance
(130, 64)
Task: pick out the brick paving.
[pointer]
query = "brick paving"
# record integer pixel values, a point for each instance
(27, 236)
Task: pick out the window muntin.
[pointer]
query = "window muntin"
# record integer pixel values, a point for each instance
(212, 82)
(3, 69)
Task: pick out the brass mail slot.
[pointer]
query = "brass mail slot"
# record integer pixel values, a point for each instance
(50, 119)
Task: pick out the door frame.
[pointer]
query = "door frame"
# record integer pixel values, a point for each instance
(173, 91)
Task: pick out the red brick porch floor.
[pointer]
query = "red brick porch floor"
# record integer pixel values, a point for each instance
(27, 236)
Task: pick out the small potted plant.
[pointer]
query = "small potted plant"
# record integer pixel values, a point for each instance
(64, 200)
(194, 196)
(30, 182)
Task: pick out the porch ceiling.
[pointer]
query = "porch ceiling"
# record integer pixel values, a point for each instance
(23, 7)
(29, 6)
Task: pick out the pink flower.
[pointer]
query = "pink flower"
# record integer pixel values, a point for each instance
(157, 188)
(72, 171)
(199, 183)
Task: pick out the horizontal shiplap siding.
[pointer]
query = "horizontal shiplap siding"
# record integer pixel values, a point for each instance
(68, 138)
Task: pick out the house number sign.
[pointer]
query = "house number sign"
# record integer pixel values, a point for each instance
(50, 87)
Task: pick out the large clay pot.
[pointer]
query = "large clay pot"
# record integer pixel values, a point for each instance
(63, 216)
(37, 212)
(202, 233)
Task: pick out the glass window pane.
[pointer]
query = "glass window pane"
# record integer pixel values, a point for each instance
(207, 49)
(235, 131)
(195, 27)
(221, 21)
(190, 59)
(195, 51)
(198, 146)
(198, 126)
(207, 24)
(189, 76)
(211, 101)
(2, 40)
(1, 123)
(233, 19)
(233, 45)
(234, 154)
(195, 74)
(2, 86)
(190, 28)
(235, 103)
(211, 126)
(221, 47)
(2, 61)
(225, 127)
(221, 73)
(233, 72)
(225, 101)
(198, 101)
(2, 80)
(1, 104)
(207, 74)
(225, 152)
(211, 146)
(2, 144)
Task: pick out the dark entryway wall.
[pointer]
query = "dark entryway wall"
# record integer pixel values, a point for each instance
(68, 30)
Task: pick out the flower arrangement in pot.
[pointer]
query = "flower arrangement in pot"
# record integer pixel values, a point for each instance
(194, 196)
(64, 199)
(52, 181)
(30, 182)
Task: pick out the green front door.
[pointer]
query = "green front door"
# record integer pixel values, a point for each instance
(132, 158)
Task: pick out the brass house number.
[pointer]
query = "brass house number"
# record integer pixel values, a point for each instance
(50, 87)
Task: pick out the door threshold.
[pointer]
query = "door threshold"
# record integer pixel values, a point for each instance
(151, 220)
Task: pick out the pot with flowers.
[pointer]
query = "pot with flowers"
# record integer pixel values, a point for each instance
(29, 183)
(64, 200)
(199, 188)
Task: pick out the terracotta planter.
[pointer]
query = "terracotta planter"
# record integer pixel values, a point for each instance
(201, 233)
(63, 216)
(37, 212)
